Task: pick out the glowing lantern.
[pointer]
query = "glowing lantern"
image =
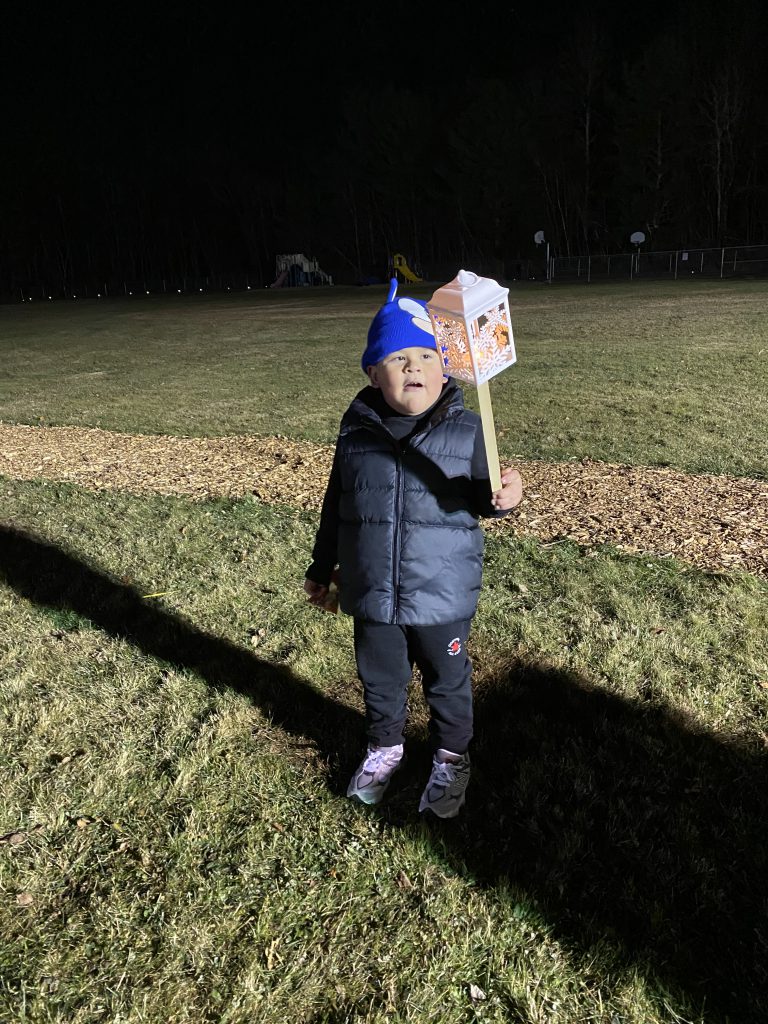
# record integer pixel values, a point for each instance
(473, 330)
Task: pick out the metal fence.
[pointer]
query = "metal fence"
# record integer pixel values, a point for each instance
(669, 264)
(724, 262)
(673, 264)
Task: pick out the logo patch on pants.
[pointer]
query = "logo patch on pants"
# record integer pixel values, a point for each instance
(454, 647)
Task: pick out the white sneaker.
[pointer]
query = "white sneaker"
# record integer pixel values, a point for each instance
(370, 781)
(445, 792)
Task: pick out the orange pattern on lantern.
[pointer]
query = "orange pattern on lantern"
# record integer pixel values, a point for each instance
(490, 344)
(452, 340)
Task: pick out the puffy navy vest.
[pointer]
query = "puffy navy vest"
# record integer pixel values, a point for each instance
(410, 549)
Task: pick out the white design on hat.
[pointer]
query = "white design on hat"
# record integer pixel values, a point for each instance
(420, 317)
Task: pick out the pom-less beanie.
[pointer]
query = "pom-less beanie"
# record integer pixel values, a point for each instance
(400, 323)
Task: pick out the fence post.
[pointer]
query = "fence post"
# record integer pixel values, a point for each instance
(589, 269)
(677, 253)
(722, 260)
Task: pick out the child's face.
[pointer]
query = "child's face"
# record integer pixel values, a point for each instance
(410, 379)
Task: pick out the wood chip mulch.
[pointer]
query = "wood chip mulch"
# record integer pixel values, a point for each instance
(714, 522)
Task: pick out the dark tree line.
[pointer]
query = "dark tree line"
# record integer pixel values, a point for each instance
(146, 158)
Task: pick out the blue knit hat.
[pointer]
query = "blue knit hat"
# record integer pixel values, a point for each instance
(400, 323)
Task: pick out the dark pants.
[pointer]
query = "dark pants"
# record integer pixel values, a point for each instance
(385, 658)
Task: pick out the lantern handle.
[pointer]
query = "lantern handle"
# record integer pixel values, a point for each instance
(489, 436)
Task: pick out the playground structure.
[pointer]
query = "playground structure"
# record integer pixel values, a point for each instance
(295, 270)
(400, 267)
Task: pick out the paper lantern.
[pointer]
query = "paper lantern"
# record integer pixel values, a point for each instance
(473, 331)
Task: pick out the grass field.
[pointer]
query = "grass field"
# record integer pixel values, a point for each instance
(175, 845)
(655, 374)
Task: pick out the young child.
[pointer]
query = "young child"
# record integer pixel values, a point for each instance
(399, 531)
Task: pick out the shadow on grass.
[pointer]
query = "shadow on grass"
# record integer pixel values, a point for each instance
(627, 822)
(619, 822)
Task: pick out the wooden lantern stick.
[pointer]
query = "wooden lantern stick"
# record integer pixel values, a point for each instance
(489, 435)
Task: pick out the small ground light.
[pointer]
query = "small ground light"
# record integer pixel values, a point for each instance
(98, 295)
(179, 290)
(201, 289)
(147, 293)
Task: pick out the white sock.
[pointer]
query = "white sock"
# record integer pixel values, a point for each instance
(448, 756)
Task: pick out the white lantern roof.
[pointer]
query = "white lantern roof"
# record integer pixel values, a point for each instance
(468, 295)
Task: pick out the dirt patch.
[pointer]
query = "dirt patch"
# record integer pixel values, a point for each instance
(714, 522)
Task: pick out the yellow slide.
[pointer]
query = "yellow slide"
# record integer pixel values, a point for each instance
(400, 264)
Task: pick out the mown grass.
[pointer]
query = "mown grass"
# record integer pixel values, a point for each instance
(658, 374)
(175, 844)
(173, 771)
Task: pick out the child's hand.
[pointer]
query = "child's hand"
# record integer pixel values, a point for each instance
(511, 492)
(317, 593)
(326, 598)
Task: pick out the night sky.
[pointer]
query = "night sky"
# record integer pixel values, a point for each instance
(198, 141)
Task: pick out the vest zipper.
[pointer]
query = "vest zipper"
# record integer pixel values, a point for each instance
(396, 536)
